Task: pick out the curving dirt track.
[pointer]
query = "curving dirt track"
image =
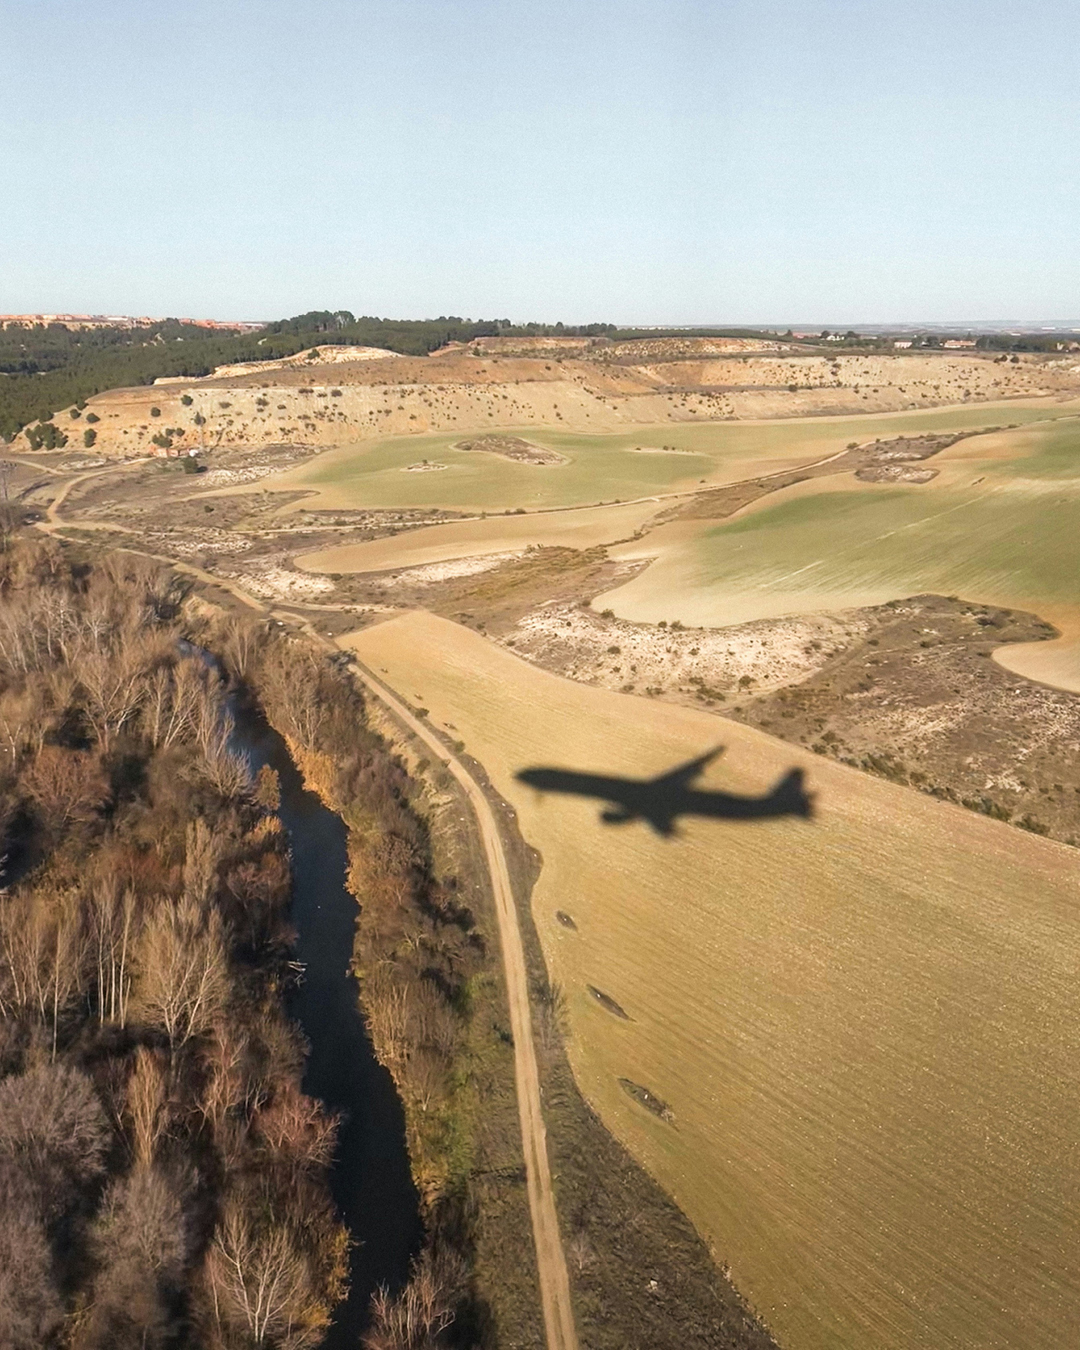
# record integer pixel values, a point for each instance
(550, 1258)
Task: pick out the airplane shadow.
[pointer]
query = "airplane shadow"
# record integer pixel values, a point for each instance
(663, 800)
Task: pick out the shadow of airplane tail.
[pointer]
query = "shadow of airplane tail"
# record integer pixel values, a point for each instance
(790, 797)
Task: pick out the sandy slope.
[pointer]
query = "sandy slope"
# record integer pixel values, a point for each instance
(465, 389)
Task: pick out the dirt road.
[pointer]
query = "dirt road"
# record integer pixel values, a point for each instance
(550, 1259)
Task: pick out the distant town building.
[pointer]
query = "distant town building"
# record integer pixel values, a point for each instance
(80, 321)
(953, 343)
(902, 342)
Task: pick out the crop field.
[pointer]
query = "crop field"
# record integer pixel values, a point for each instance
(606, 467)
(1001, 525)
(580, 529)
(862, 1026)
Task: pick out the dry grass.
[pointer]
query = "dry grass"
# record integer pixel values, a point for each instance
(862, 1025)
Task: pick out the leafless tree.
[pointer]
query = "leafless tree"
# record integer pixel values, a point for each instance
(147, 1104)
(201, 856)
(113, 919)
(43, 955)
(21, 722)
(113, 688)
(423, 1311)
(53, 1130)
(68, 787)
(139, 1242)
(31, 1310)
(183, 982)
(259, 1276)
(240, 643)
(297, 1128)
(174, 696)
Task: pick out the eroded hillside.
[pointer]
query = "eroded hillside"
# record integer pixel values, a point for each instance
(342, 395)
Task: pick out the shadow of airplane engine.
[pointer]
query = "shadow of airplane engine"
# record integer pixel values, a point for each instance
(661, 801)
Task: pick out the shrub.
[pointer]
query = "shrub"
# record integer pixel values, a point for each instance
(89, 436)
(46, 436)
(155, 412)
(92, 417)
(186, 400)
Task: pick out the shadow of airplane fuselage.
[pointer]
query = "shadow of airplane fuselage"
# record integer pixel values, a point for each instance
(661, 801)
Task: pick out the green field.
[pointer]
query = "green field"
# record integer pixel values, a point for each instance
(1000, 529)
(605, 468)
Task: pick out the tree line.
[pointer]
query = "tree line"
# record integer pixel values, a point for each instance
(418, 955)
(162, 1175)
(46, 368)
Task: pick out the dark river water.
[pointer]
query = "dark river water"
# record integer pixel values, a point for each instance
(370, 1181)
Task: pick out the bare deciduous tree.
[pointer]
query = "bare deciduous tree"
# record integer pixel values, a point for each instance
(113, 917)
(68, 787)
(31, 1310)
(182, 984)
(139, 1240)
(258, 1272)
(147, 1104)
(53, 1130)
(416, 1319)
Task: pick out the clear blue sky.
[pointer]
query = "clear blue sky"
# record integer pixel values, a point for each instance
(680, 161)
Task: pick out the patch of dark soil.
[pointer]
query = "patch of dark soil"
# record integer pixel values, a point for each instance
(719, 503)
(608, 1003)
(649, 1100)
(513, 447)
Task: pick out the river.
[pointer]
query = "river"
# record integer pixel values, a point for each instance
(370, 1180)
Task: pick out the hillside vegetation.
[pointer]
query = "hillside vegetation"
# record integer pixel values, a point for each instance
(48, 368)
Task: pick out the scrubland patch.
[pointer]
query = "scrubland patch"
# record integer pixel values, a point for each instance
(433, 573)
(708, 665)
(514, 448)
(231, 477)
(272, 581)
(193, 543)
